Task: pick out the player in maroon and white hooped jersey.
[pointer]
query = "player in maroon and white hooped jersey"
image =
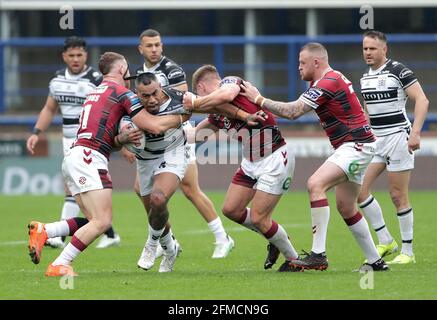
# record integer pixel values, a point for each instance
(267, 167)
(85, 167)
(332, 97)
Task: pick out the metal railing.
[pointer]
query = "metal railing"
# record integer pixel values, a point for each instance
(290, 89)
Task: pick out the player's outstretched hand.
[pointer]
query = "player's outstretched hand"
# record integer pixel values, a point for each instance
(249, 91)
(256, 119)
(188, 101)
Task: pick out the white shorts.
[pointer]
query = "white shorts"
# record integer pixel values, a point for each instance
(66, 144)
(174, 161)
(272, 174)
(85, 169)
(191, 152)
(393, 151)
(191, 148)
(353, 158)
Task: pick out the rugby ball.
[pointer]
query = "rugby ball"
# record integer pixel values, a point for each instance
(134, 148)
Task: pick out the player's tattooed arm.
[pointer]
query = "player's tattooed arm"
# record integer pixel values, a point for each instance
(289, 110)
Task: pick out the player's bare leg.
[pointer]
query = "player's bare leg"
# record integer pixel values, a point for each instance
(263, 205)
(373, 212)
(399, 182)
(164, 185)
(98, 204)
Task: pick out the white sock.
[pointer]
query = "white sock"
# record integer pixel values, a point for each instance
(70, 252)
(57, 229)
(281, 241)
(154, 235)
(247, 222)
(406, 221)
(320, 218)
(360, 230)
(167, 243)
(70, 209)
(373, 213)
(217, 229)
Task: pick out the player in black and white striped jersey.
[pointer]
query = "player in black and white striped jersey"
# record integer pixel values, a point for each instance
(385, 88)
(162, 165)
(67, 92)
(171, 75)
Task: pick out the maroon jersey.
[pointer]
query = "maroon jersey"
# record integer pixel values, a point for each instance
(339, 109)
(101, 114)
(258, 141)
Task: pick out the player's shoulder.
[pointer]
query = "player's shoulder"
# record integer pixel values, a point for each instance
(167, 63)
(93, 75)
(330, 80)
(174, 94)
(57, 78)
(398, 69)
(60, 73)
(171, 69)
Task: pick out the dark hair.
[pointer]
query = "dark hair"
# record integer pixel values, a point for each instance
(374, 34)
(107, 60)
(149, 33)
(145, 78)
(74, 42)
(201, 73)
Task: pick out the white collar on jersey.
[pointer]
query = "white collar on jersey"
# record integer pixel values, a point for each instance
(372, 72)
(70, 76)
(152, 68)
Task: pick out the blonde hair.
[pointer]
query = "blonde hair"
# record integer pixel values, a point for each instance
(317, 49)
(201, 73)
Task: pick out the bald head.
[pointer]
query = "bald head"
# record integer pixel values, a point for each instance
(317, 50)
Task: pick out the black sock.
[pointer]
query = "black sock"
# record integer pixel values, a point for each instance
(110, 232)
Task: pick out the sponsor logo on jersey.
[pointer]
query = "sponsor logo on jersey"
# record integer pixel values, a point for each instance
(382, 95)
(405, 72)
(230, 80)
(175, 73)
(69, 99)
(313, 94)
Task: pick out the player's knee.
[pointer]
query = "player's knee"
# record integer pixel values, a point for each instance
(231, 212)
(314, 186)
(363, 195)
(103, 224)
(399, 199)
(188, 191)
(157, 200)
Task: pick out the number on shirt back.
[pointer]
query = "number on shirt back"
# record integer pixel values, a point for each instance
(346, 80)
(85, 115)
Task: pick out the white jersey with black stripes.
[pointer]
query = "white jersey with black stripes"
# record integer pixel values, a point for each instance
(69, 91)
(383, 90)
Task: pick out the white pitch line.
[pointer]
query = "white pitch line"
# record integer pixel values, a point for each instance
(13, 243)
(240, 229)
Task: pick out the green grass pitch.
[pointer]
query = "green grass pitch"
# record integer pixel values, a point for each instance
(112, 273)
